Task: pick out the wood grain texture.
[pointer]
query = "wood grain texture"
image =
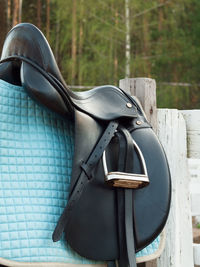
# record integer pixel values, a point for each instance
(172, 134)
(192, 119)
(194, 171)
(196, 249)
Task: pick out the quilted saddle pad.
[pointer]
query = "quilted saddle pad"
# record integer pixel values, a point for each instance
(36, 152)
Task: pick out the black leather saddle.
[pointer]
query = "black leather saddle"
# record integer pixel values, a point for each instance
(120, 186)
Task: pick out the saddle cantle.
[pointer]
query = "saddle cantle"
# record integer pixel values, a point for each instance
(103, 220)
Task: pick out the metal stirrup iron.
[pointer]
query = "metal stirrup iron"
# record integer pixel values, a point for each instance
(127, 180)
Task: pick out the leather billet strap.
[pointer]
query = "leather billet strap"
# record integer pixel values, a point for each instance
(87, 168)
(99, 148)
(125, 202)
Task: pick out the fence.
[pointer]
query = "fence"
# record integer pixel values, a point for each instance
(179, 133)
(192, 118)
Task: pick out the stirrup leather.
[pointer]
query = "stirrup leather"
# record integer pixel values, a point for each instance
(127, 180)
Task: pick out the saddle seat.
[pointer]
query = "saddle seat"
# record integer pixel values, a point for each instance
(26, 53)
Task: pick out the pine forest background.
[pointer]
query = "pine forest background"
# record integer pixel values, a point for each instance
(91, 38)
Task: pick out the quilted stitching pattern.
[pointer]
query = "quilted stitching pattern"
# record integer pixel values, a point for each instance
(36, 151)
(150, 249)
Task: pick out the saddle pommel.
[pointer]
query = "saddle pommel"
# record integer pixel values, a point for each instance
(126, 180)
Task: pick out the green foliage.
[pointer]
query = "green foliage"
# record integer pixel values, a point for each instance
(165, 43)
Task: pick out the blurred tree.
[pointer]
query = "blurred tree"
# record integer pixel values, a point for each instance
(80, 47)
(17, 12)
(89, 40)
(47, 19)
(9, 14)
(39, 14)
(3, 18)
(74, 42)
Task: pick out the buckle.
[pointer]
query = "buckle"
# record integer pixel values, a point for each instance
(127, 180)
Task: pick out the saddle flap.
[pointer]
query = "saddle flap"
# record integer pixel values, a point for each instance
(151, 203)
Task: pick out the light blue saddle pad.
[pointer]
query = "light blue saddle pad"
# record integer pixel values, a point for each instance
(36, 151)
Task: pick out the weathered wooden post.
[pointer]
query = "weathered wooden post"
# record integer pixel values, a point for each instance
(145, 90)
(192, 119)
(171, 130)
(172, 133)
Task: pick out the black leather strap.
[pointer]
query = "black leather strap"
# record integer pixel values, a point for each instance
(129, 209)
(127, 247)
(122, 261)
(87, 168)
(130, 242)
(99, 148)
